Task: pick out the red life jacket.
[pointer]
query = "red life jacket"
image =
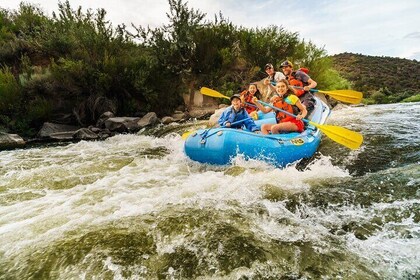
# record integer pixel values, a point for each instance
(297, 83)
(281, 104)
(248, 99)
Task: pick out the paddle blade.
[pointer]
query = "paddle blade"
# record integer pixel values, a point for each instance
(212, 93)
(186, 134)
(341, 135)
(345, 95)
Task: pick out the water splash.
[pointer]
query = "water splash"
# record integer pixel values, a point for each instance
(134, 206)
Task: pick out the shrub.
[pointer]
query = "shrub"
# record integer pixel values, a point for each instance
(10, 93)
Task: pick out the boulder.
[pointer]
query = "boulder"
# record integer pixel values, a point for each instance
(103, 105)
(201, 113)
(94, 129)
(215, 117)
(85, 134)
(179, 116)
(62, 136)
(101, 121)
(48, 129)
(167, 120)
(148, 120)
(122, 124)
(8, 141)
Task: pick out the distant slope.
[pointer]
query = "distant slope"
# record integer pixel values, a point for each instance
(395, 78)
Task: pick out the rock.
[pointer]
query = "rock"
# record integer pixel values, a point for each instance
(215, 117)
(62, 136)
(85, 134)
(48, 129)
(103, 105)
(149, 119)
(94, 129)
(167, 120)
(122, 124)
(8, 141)
(201, 113)
(101, 121)
(179, 116)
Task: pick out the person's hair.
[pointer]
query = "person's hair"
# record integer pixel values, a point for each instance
(290, 89)
(257, 92)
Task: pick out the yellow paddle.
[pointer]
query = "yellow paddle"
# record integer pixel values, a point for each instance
(341, 135)
(344, 95)
(212, 92)
(186, 134)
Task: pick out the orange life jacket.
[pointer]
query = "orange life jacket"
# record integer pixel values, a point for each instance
(297, 83)
(281, 104)
(248, 99)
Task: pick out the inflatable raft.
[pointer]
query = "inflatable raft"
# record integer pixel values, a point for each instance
(220, 145)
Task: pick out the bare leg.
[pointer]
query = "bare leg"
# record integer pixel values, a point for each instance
(286, 127)
(265, 128)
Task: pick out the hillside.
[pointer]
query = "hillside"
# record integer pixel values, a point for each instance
(382, 79)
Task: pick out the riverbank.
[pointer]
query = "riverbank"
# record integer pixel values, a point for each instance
(106, 126)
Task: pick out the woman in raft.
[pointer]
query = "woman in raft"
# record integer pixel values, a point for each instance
(286, 100)
(247, 96)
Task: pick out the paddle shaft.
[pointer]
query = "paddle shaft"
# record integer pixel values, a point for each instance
(204, 134)
(237, 122)
(343, 95)
(283, 111)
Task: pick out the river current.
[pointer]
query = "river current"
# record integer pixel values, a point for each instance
(135, 207)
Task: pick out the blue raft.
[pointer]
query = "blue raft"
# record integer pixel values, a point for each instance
(220, 145)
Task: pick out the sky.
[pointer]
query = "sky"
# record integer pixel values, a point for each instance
(369, 27)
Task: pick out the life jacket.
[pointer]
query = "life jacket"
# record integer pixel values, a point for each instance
(281, 104)
(248, 99)
(298, 83)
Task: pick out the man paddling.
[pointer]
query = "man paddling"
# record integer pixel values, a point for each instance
(300, 79)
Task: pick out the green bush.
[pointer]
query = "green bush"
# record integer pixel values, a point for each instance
(414, 98)
(10, 93)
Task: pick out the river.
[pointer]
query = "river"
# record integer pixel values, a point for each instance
(135, 207)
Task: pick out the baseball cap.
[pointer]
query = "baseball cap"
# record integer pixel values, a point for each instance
(268, 65)
(286, 63)
(236, 95)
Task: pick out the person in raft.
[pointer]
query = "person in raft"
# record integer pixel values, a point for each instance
(300, 78)
(273, 78)
(287, 101)
(247, 96)
(236, 113)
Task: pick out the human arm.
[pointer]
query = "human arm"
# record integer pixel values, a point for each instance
(224, 118)
(263, 109)
(312, 84)
(302, 76)
(249, 122)
(302, 109)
